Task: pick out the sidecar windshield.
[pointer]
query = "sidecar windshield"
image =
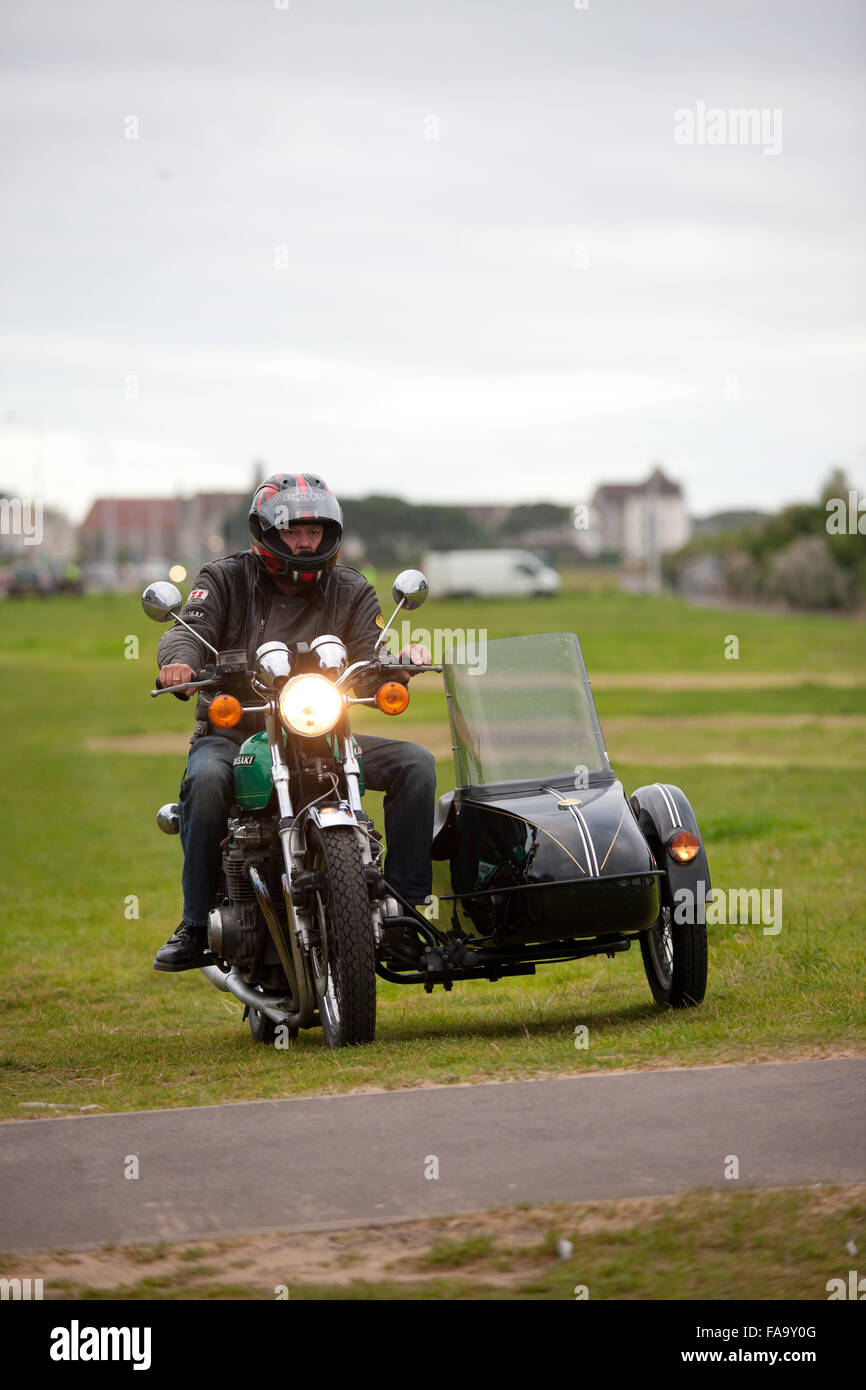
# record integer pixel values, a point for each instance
(521, 709)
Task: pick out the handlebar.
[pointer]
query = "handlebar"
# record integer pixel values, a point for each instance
(206, 677)
(202, 679)
(409, 666)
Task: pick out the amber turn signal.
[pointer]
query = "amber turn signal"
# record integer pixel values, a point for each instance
(683, 846)
(225, 711)
(392, 697)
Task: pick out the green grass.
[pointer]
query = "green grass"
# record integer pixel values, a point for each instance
(87, 1022)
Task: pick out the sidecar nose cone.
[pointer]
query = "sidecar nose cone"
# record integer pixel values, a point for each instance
(168, 818)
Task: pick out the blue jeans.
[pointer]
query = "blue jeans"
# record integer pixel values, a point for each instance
(405, 772)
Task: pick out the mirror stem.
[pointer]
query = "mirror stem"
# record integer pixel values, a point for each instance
(386, 629)
(197, 635)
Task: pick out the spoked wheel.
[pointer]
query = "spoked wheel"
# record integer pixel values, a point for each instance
(344, 946)
(675, 957)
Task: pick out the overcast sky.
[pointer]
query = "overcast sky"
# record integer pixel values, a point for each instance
(444, 248)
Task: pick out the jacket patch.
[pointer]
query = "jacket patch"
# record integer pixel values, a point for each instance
(194, 613)
(379, 620)
(198, 596)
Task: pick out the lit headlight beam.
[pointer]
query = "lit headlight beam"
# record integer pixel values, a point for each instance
(310, 705)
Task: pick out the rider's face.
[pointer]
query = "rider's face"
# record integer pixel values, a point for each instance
(302, 537)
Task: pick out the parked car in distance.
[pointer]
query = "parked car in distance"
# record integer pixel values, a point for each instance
(489, 574)
(41, 581)
(30, 581)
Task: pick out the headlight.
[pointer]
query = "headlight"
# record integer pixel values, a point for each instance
(310, 705)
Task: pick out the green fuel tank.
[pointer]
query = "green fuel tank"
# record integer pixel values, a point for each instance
(252, 768)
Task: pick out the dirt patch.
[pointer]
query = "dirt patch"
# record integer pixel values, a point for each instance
(680, 723)
(436, 737)
(140, 743)
(505, 1247)
(726, 680)
(617, 730)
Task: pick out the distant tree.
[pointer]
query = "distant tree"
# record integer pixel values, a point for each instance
(742, 574)
(836, 484)
(806, 575)
(833, 566)
(396, 532)
(535, 516)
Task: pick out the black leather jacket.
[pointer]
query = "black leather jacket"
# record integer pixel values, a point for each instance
(236, 606)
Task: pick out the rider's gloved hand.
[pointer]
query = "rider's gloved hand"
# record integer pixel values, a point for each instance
(176, 674)
(418, 655)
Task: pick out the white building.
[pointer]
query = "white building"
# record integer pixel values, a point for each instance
(639, 521)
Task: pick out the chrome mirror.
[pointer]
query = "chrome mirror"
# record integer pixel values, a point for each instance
(410, 589)
(161, 601)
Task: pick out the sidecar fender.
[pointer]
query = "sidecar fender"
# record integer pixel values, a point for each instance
(661, 810)
(444, 843)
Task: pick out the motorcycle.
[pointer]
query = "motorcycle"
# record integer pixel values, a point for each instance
(304, 912)
(306, 920)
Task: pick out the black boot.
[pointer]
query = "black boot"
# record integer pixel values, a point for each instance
(186, 949)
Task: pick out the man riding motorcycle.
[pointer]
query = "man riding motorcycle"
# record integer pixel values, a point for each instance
(287, 587)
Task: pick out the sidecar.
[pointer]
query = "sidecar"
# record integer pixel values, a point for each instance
(549, 858)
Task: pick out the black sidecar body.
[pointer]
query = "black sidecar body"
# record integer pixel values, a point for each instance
(549, 858)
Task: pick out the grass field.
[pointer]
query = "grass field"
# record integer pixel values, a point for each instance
(769, 748)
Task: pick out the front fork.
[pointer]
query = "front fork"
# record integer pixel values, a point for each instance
(294, 859)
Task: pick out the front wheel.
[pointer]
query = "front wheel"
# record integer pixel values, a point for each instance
(344, 947)
(675, 959)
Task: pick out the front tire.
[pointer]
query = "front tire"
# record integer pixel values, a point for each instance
(675, 957)
(344, 954)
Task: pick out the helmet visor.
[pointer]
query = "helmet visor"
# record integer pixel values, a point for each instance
(295, 503)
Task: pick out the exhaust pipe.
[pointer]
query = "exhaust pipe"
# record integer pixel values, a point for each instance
(274, 1005)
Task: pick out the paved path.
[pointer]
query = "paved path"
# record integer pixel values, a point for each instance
(351, 1160)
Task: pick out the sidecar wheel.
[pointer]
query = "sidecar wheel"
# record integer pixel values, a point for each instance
(344, 956)
(675, 959)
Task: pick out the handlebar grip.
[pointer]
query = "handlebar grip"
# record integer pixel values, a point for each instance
(182, 692)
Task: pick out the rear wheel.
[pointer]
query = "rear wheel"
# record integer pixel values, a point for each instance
(675, 957)
(344, 946)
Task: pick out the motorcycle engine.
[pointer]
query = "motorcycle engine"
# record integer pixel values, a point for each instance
(236, 931)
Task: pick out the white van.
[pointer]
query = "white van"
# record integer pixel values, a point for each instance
(488, 574)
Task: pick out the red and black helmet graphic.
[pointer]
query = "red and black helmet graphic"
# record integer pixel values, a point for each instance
(287, 498)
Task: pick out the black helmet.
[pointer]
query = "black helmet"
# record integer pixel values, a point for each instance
(282, 499)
